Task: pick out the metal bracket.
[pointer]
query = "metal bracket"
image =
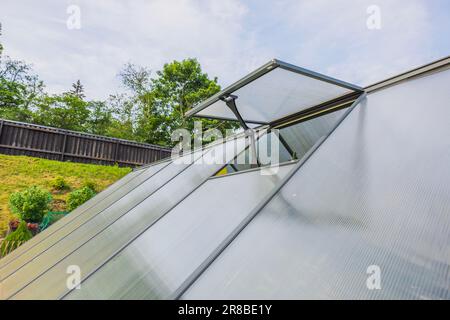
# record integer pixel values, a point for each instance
(230, 101)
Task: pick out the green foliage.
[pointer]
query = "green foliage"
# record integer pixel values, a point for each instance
(174, 90)
(31, 204)
(78, 197)
(101, 118)
(12, 100)
(62, 111)
(20, 89)
(15, 239)
(91, 185)
(150, 110)
(1, 46)
(77, 90)
(60, 184)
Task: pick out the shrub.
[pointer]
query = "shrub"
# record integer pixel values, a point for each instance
(90, 184)
(31, 204)
(15, 239)
(60, 184)
(78, 197)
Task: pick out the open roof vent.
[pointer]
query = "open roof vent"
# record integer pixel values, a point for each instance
(273, 92)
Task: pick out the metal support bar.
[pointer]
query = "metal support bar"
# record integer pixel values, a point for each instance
(230, 101)
(288, 148)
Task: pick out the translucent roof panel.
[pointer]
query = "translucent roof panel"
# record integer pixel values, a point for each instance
(89, 247)
(273, 92)
(158, 261)
(366, 217)
(217, 110)
(301, 137)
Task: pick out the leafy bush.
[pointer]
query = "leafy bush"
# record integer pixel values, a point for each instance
(78, 197)
(15, 239)
(60, 184)
(90, 184)
(31, 204)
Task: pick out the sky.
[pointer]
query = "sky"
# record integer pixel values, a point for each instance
(358, 41)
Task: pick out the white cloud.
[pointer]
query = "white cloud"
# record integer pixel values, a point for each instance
(333, 37)
(230, 38)
(112, 33)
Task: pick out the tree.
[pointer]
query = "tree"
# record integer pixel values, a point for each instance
(12, 101)
(100, 118)
(135, 78)
(20, 88)
(77, 90)
(163, 100)
(65, 111)
(149, 111)
(123, 114)
(1, 46)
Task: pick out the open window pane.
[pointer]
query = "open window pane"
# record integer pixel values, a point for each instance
(274, 92)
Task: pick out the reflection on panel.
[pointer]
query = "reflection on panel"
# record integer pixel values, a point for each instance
(367, 216)
(157, 262)
(93, 253)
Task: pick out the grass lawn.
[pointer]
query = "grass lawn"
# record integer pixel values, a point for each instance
(20, 172)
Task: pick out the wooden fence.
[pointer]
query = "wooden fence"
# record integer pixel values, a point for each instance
(17, 138)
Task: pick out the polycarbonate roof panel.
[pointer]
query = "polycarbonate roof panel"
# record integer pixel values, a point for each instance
(275, 91)
(366, 217)
(301, 137)
(158, 261)
(46, 278)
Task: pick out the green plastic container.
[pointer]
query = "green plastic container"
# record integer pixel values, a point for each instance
(50, 218)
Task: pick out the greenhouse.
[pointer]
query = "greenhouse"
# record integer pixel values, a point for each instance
(360, 185)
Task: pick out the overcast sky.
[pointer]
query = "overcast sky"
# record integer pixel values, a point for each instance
(229, 37)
